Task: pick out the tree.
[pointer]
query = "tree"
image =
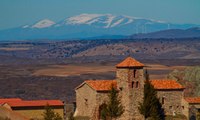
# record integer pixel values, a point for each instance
(151, 107)
(71, 116)
(114, 107)
(103, 111)
(49, 114)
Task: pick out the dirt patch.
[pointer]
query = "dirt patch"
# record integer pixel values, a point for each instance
(71, 70)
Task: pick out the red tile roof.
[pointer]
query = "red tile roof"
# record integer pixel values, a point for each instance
(166, 84)
(105, 85)
(130, 62)
(31, 103)
(101, 85)
(36, 103)
(3, 100)
(193, 99)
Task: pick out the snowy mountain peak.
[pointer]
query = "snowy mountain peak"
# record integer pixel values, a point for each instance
(99, 20)
(43, 24)
(81, 19)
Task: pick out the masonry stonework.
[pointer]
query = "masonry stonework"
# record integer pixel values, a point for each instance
(85, 100)
(130, 82)
(171, 101)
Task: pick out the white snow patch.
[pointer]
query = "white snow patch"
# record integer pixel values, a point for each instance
(117, 23)
(109, 21)
(81, 19)
(93, 21)
(129, 21)
(25, 26)
(43, 24)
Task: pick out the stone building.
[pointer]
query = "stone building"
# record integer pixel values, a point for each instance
(91, 95)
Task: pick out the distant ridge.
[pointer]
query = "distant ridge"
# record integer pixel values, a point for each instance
(172, 33)
(88, 26)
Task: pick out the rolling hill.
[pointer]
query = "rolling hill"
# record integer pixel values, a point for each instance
(172, 33)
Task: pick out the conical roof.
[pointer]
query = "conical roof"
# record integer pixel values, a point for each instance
(129, 62)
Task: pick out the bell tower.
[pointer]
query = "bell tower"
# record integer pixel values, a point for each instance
(130, 78)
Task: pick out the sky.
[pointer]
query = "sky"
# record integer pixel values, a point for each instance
(15, 13)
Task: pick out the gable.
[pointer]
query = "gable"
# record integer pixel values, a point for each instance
(99, 85)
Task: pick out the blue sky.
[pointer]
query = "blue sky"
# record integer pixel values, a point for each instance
(15, 13)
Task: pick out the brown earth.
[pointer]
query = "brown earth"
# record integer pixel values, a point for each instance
(157, 71)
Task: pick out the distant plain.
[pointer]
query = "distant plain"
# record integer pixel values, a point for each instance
(53, 69)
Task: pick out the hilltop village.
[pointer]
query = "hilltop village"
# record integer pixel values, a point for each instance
(92, 94)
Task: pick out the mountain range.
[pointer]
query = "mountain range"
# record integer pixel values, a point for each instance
(89, 26)
(171, 33)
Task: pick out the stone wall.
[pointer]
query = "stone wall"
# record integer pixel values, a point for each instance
(131, 94)
(171, 101)
(102, 98)
(185, 109)
(85, 101)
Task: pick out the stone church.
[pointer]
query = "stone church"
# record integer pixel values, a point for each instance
(91, 95)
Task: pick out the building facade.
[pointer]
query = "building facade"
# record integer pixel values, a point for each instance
(32, 109)
(91, 95)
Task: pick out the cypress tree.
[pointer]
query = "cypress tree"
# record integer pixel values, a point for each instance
(49, 114)
(151, 107)
(114, 106)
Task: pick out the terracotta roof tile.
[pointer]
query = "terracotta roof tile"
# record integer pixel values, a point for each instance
(166, 84)
(130, 62)
(193, 99)
(3, 100)
(105, 85)
(31, 103)
(101, 85)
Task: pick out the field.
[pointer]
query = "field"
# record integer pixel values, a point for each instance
(157, 71)
(53, 69)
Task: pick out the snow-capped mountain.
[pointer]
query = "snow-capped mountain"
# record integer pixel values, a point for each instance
(105, 20)
(99, 20)
(87, 26)
(41, 24)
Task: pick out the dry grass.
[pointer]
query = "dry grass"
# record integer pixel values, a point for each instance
(13, 49)
(163, 67)
(159, 71)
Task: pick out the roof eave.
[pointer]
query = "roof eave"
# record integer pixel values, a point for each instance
(130, 66)
(169, 88)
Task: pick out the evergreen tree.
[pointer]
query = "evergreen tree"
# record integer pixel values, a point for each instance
(151, 107)
(71, 116)
(49, 114)
(114, 107)
(103, 112)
